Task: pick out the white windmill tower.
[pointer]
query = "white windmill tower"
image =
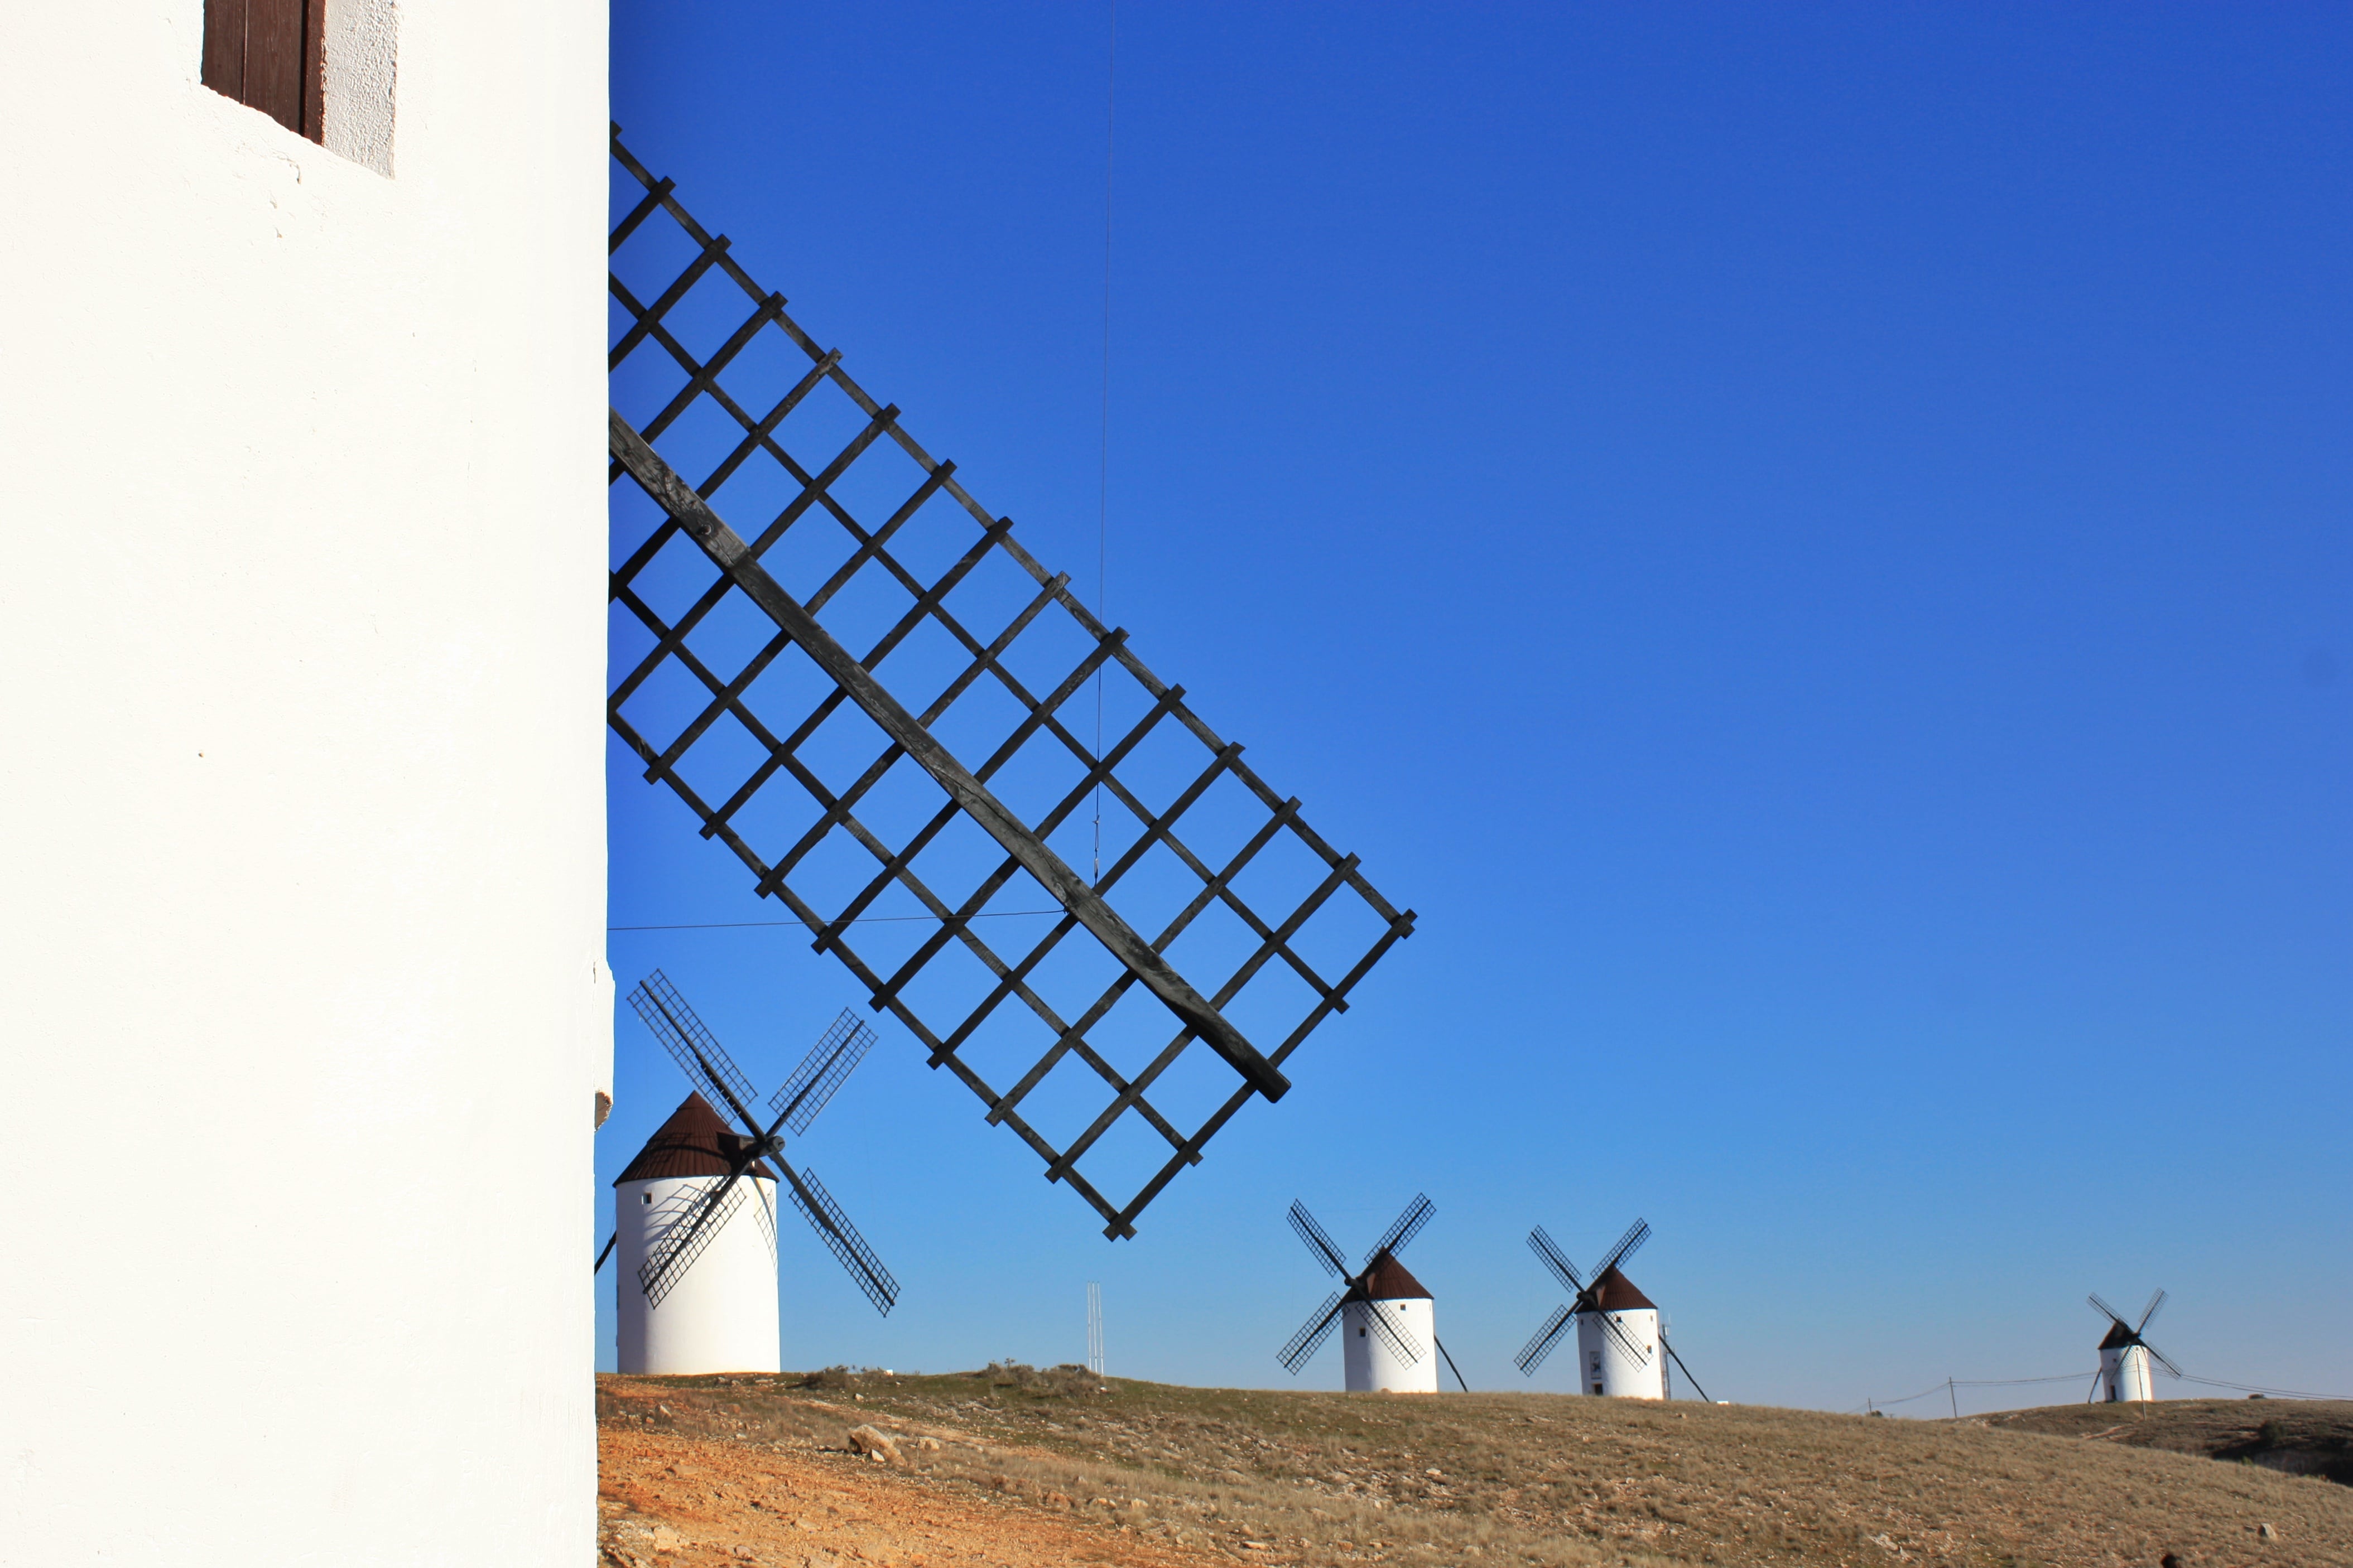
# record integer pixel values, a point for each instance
(1382, 1307)
(721, 1314)
(1621, 1352)
(697, 1281)
(2124, 1355)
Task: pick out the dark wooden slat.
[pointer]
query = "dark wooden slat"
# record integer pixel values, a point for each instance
(224, 69)
(732, 555)
(314, 71)
(277, 36)
(639, 214)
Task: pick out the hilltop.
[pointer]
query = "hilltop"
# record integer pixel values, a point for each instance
(2299, 1437)
(1016, 1468)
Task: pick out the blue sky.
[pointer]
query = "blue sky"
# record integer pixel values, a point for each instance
(1809, 544)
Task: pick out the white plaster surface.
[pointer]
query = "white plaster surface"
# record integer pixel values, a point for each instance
(2125, 1374)
(362, 57)
(1605, 1367)
(1370, 1366)
(721, 1314)
(301, 997)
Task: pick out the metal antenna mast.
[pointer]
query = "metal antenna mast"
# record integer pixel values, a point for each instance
(1094, 1328)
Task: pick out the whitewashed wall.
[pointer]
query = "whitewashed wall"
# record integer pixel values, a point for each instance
(301, 1004)
(2125, 1373)
(1369, 1367)
(721, 1314)
(1604, 1366)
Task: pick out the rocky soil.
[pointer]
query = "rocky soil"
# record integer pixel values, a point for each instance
(1013, 1468)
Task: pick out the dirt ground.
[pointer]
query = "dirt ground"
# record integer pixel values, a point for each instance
(699, 1503)
(1011, 1468)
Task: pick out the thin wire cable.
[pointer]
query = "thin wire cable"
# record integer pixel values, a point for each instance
(2256, 1388)
(2078, 1377)
(860, 921)
(1968, 1382)
(1103, 437)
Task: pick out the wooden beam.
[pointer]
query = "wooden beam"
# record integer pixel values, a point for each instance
(728, 551)
(276, 58)
(224, 67)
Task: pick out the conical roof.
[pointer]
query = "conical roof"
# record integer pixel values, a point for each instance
(1389, 1280)
(693, 1143)
(2118, 1337)
(1613, 1292)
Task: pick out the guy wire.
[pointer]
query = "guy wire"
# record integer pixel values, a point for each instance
(1103, 438)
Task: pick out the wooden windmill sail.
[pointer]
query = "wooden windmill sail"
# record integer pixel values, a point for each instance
(862, 685)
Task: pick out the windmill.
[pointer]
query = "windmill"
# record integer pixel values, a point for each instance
(1383, 1308)
(698, 1290)
(2125, 1356)
(1620, 1350)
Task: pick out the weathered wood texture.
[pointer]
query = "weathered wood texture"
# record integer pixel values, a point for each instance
(269, 55)
(727, 549)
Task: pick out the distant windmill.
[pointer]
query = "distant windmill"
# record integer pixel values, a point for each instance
(1620, 1350)
(2124, 1355)
(1385, 1310)
(698, 1292)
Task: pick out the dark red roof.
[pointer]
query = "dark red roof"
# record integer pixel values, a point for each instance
(2118, 1337)
(1389, 1280)
(1613, 1292)
(693, 1143)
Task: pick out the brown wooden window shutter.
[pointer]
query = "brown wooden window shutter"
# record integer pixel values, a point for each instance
(269, 55)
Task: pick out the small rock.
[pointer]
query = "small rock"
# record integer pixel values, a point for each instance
(665, 1538)
(2169, 1561)
(2266, 1532)
(1434, 1470)
(663, 1409)
(877, 1446)
(928, 1444)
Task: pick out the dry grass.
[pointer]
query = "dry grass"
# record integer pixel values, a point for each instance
(1528, 1478)
(2298, 1437)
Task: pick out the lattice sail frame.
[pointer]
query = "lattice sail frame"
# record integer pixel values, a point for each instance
(686, 580)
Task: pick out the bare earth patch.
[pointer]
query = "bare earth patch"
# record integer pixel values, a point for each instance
(1016, 1469)
(689, 1501)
